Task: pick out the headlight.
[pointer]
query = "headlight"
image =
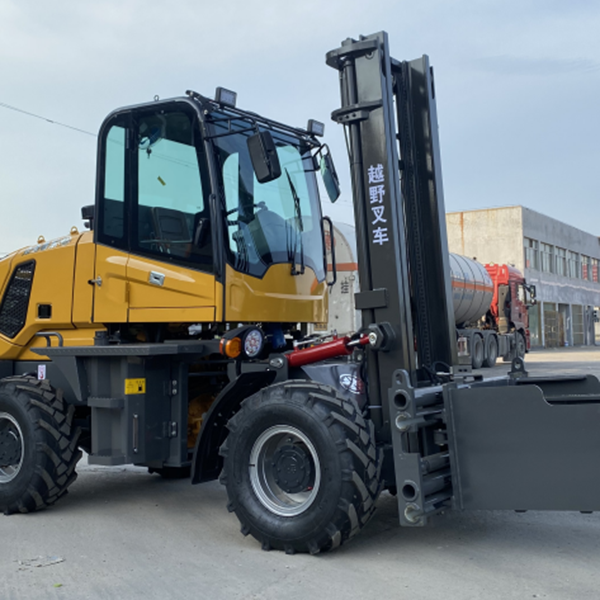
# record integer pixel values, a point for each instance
(254, 341)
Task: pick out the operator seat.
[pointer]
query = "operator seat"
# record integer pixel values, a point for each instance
(172, 230)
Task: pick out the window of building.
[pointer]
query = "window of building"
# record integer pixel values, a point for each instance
(594, 264)
(547, 257)
(585, 267)
(573, 264)
(561, 261)
(532, 254)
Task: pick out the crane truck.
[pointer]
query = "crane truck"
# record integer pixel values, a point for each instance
(171, 335)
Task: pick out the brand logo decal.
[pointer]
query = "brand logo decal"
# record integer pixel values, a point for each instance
(352, 383)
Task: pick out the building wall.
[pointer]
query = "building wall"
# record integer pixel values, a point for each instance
(561, 288)
(493, 235)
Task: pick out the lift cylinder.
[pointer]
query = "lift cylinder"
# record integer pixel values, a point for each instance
(472, 289)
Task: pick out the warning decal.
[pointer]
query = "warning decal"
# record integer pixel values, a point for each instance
(135, 386)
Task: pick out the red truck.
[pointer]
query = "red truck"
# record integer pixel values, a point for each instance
(490, 309)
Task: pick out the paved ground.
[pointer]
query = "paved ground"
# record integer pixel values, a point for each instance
(124, 534)
(555, 361)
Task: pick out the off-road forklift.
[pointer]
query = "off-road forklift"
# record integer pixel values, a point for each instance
(173, 333)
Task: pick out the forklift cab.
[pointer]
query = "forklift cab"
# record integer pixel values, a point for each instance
(200, 205)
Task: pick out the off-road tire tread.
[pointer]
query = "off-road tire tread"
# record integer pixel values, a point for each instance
(57, 454)
(353, 438)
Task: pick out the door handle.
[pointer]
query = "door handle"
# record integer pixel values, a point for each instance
(97, 281)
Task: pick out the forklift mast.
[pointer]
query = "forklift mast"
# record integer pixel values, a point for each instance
(513, 443)
(388, 108)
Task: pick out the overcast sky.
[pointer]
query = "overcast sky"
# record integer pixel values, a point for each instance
(517, 87)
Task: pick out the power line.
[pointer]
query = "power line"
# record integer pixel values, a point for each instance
(30, 114)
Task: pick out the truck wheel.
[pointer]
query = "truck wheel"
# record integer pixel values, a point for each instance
(491, 351)
(477, 352)
(38, 445)
(301, 467)
(521, 345)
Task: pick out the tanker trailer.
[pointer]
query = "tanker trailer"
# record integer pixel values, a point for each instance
(490, 309)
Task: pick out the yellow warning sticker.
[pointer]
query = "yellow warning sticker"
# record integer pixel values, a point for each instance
(135, 386)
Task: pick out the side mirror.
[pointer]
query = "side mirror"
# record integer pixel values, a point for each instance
(329, 175)
(532, 296)
(263, 155)
(87, 214)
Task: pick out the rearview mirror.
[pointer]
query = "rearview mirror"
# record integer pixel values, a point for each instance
(263, 155)
(329, 175)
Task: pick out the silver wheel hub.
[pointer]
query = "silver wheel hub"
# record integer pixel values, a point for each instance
(11, 448)
(285, 471)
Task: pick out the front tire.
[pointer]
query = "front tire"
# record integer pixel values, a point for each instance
(38, 445)
(301, 467)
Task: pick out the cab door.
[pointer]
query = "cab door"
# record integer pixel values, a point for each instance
(170, 270)
(110, 268)
(155, 261)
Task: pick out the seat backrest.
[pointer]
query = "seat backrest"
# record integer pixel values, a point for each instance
(171, 225)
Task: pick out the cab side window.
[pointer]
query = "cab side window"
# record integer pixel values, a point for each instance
(172, 215)
(153, 186)
(111, 217)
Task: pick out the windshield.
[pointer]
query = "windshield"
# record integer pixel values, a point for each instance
(274, 222)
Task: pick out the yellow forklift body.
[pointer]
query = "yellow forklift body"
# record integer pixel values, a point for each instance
(55, 282)
(136, 289)
(278, 296)
(85, 286)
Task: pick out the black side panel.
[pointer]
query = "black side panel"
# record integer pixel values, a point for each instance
(345, 377)
(13, 310)
(513, 449)
(6, 368)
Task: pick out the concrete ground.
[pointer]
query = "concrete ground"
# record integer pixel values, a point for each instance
(121, 533)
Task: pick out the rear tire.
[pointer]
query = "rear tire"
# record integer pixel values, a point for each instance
(301, 467)
(477, 351)
(491, 351)
(38, 445)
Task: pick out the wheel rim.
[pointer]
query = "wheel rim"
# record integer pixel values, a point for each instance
(11, 448)
(285, 471)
